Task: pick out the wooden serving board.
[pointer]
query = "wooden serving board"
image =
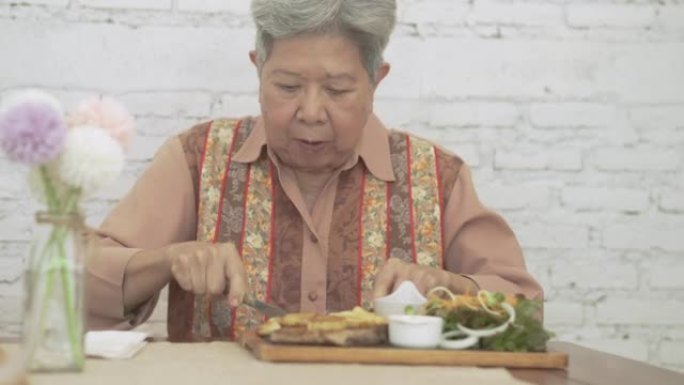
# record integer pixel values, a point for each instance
(267, 351)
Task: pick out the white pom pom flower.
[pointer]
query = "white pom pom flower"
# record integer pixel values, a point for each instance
(91, 159)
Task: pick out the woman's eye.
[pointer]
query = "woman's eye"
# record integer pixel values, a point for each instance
(336, 91)
(288, 87)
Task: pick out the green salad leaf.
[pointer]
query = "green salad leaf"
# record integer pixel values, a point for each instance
(525, 334)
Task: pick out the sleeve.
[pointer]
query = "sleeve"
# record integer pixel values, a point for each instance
(481, 246)
(159, 210)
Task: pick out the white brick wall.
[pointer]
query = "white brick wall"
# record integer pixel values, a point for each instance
(564, 313)
(127, 4)
(555, 115)
(671, 351)
(571, 114)
(583, 273)
(667, 274)
(639, 311)
(672, 201)
(637, 350)
(532, 157)
(40, 2)
(663, 235)
(610, 15)
(230, 6)
(605, 198)
(638, 159)
(516, 197)
(516, 13)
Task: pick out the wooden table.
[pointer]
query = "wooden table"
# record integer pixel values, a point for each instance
(224, 362)
(591, 367)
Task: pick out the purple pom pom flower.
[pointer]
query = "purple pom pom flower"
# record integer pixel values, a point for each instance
(32, 128)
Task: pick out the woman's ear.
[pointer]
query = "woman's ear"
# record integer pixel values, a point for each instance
(382, 72)
(253, 58)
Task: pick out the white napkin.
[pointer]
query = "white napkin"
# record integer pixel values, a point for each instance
(114, 344)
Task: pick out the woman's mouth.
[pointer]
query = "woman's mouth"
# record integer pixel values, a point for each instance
(311, 145)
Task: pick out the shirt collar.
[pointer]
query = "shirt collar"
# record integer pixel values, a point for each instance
(373, 148)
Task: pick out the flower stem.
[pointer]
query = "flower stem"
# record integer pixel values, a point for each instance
(55, 253)
(50, 192)
(67, 286)
(70, 306)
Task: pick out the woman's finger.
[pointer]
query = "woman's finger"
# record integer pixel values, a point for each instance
(384, 281)
(216, 279)
(235, 273)
(198, 271)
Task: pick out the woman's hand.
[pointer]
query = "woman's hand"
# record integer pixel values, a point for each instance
(208, 268)
(396, 271)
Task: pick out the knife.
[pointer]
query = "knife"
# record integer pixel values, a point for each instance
(264, 308)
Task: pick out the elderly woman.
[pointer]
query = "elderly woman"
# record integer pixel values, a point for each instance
(313, 206)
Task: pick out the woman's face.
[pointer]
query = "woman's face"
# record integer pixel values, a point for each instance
(316, 97)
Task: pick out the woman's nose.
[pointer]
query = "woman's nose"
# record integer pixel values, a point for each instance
(311, 108)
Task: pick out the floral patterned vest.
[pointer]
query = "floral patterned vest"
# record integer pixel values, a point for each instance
(245, 204)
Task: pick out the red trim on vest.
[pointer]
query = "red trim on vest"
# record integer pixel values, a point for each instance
(438, 174)
(269, 284)
(388, 225)
(410, 192)
(225, 178)
(359, 262)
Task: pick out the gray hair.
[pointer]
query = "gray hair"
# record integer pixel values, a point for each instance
(368, 23)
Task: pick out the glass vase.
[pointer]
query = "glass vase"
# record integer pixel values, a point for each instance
(55, 308)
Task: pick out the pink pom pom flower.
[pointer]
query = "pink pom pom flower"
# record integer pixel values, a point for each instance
(105, 113)
(32, 128)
